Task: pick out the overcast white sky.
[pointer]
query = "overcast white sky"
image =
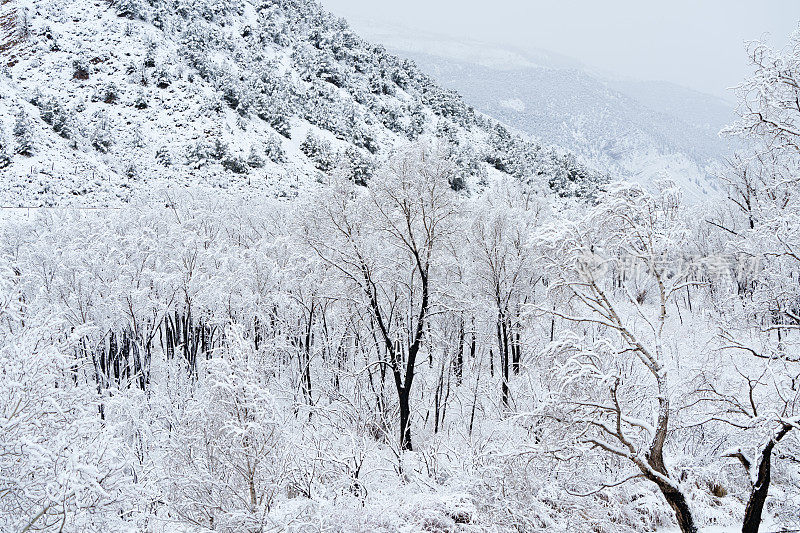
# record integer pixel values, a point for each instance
(696, 43)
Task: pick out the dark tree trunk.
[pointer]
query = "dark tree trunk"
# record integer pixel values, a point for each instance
(305, 364)
(114, 357)
(403, 379)
(655, 458)
(502, 341)
(437, 400)
(405, 419)
(675, 497)
(677, 500)
(473, 345)
(758, 496)
(458, 365)
(516, 348)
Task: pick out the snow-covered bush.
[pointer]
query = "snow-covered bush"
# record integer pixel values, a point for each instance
(6, 150)
(218, 149)
(106, 93)
(255, 158)
(102, 136)
(356, 166)
(141, 101)
(318, 151)
(81, 68)
(23, 133)
(162, 77)
(235, 163)
(61, 465)
(225, 458)
(447, 104)
(132, 9)
(164, 156)
(53, 113)
(275, 151)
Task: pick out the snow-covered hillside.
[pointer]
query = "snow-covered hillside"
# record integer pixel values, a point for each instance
(630, 129)
(99, 100)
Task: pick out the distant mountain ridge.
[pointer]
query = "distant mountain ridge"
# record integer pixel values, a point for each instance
(628, 128)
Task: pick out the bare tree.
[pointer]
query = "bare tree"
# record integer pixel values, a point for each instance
(504, 269)
(761, 330)
(606, 390)
(385, 241)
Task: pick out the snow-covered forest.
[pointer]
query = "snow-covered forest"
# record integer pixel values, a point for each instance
(260, 275)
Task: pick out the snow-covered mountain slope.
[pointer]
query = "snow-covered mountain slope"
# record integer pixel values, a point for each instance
(628, 128)
(99, 100)
(8, 25)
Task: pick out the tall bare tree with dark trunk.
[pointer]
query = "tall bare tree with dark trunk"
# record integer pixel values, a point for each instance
(385, 241)
(762, 329)
(504, 269)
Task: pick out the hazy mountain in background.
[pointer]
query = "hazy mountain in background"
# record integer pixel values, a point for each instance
(641, 130)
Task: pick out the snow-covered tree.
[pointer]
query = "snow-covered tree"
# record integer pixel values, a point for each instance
(23, 133)
(506, 276)
(616, 393)
(409, 207)
(760, 326)
(6, 149)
